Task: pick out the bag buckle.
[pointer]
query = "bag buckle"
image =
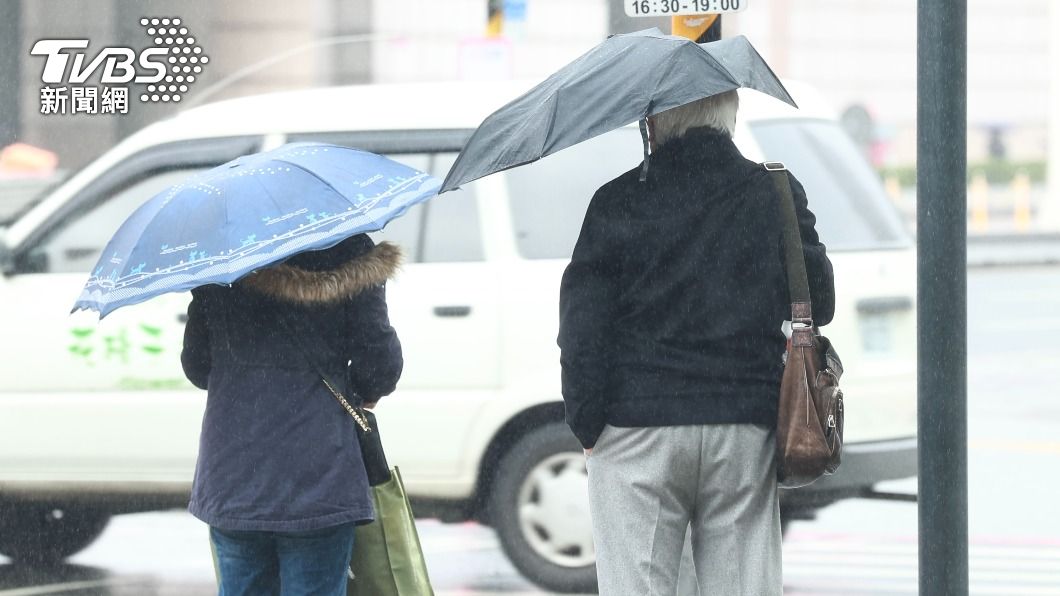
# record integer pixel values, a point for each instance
(774, 166)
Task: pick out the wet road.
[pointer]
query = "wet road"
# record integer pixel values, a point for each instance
(855, 547)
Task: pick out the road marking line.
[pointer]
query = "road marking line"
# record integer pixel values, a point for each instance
(975, 552)
(1036, 447)
(895, 560)
(822, 569)
(906, 588)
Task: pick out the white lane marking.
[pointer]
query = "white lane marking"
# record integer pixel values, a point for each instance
(1045, 552)
(825, 569)
(907, 588)
(841, 566)
(910, 560)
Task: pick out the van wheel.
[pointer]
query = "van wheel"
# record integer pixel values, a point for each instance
(539, 507)
(45, 534)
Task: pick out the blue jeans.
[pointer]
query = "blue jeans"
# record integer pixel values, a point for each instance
(283, 563)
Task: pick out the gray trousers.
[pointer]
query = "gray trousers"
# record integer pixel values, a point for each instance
(648, 486)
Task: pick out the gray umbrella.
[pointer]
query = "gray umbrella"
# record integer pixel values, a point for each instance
(624, 79)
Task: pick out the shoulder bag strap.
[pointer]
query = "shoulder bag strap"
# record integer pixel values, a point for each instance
(794, 261)
(311, 356)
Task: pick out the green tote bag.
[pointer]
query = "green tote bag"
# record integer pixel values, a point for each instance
(387, 557)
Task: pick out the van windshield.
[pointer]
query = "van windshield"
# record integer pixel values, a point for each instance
(549, 197)
(19, 195)
(853, 212)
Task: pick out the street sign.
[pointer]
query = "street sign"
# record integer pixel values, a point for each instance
(669, 8)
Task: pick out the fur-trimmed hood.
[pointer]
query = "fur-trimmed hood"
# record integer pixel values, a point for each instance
(292, 284)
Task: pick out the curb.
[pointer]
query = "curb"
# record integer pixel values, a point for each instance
(1003, 250)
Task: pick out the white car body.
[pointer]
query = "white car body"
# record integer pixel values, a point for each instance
(102, 408)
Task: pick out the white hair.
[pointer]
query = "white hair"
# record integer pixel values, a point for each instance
(717, 112)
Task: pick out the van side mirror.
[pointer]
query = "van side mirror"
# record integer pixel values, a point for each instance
(7, 261)
(34, 261)
(12, 263)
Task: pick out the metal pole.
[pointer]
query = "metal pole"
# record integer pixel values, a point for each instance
(618, 22)
(701, 28)
(942, 296)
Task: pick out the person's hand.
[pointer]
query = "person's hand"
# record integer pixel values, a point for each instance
(369, 405)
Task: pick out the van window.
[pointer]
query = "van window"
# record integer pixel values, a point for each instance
(75, 246)
(453, 232)
(405, 231)
(853, 213)
(549, 197)
(442, 229)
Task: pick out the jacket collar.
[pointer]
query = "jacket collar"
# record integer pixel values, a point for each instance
(702, 145)
(291, 284)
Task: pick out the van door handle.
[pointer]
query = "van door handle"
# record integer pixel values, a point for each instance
(875, 306)
(452, 311)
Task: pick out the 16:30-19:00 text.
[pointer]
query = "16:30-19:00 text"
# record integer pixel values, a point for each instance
(645, 7)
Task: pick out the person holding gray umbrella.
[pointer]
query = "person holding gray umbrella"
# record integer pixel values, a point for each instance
(671, 315)
(671, 309)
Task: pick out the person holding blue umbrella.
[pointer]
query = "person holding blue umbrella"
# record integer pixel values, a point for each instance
(279, 478)
(274, 248)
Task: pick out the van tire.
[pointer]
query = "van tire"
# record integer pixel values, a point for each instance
(42, 534)
(552, 442)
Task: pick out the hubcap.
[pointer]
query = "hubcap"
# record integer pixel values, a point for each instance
(554, 511)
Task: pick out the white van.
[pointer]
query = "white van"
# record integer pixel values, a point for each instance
(97, 419)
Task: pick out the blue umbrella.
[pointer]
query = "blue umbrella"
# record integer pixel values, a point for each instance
(256, 210)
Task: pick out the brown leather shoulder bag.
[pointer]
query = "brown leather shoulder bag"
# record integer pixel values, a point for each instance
(810, 415)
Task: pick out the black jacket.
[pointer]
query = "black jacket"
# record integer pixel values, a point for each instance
(672, 306)
(277, 451)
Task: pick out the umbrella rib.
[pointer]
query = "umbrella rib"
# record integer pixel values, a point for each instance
(662, 77)
(311, 173)
(719, 65)
(551, 121)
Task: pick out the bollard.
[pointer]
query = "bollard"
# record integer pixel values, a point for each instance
(1021, 201)
(893, 187)
(979, 197)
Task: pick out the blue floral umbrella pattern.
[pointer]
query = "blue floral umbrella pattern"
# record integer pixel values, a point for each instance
(220, 225)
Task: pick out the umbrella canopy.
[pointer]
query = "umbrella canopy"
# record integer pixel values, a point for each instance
(624, 79)
(249, 213)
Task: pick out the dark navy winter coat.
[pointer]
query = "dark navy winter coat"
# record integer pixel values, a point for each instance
(672, 305)
(278, 452)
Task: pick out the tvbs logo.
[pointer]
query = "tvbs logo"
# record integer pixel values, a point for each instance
(118, 63)
(166, 69)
